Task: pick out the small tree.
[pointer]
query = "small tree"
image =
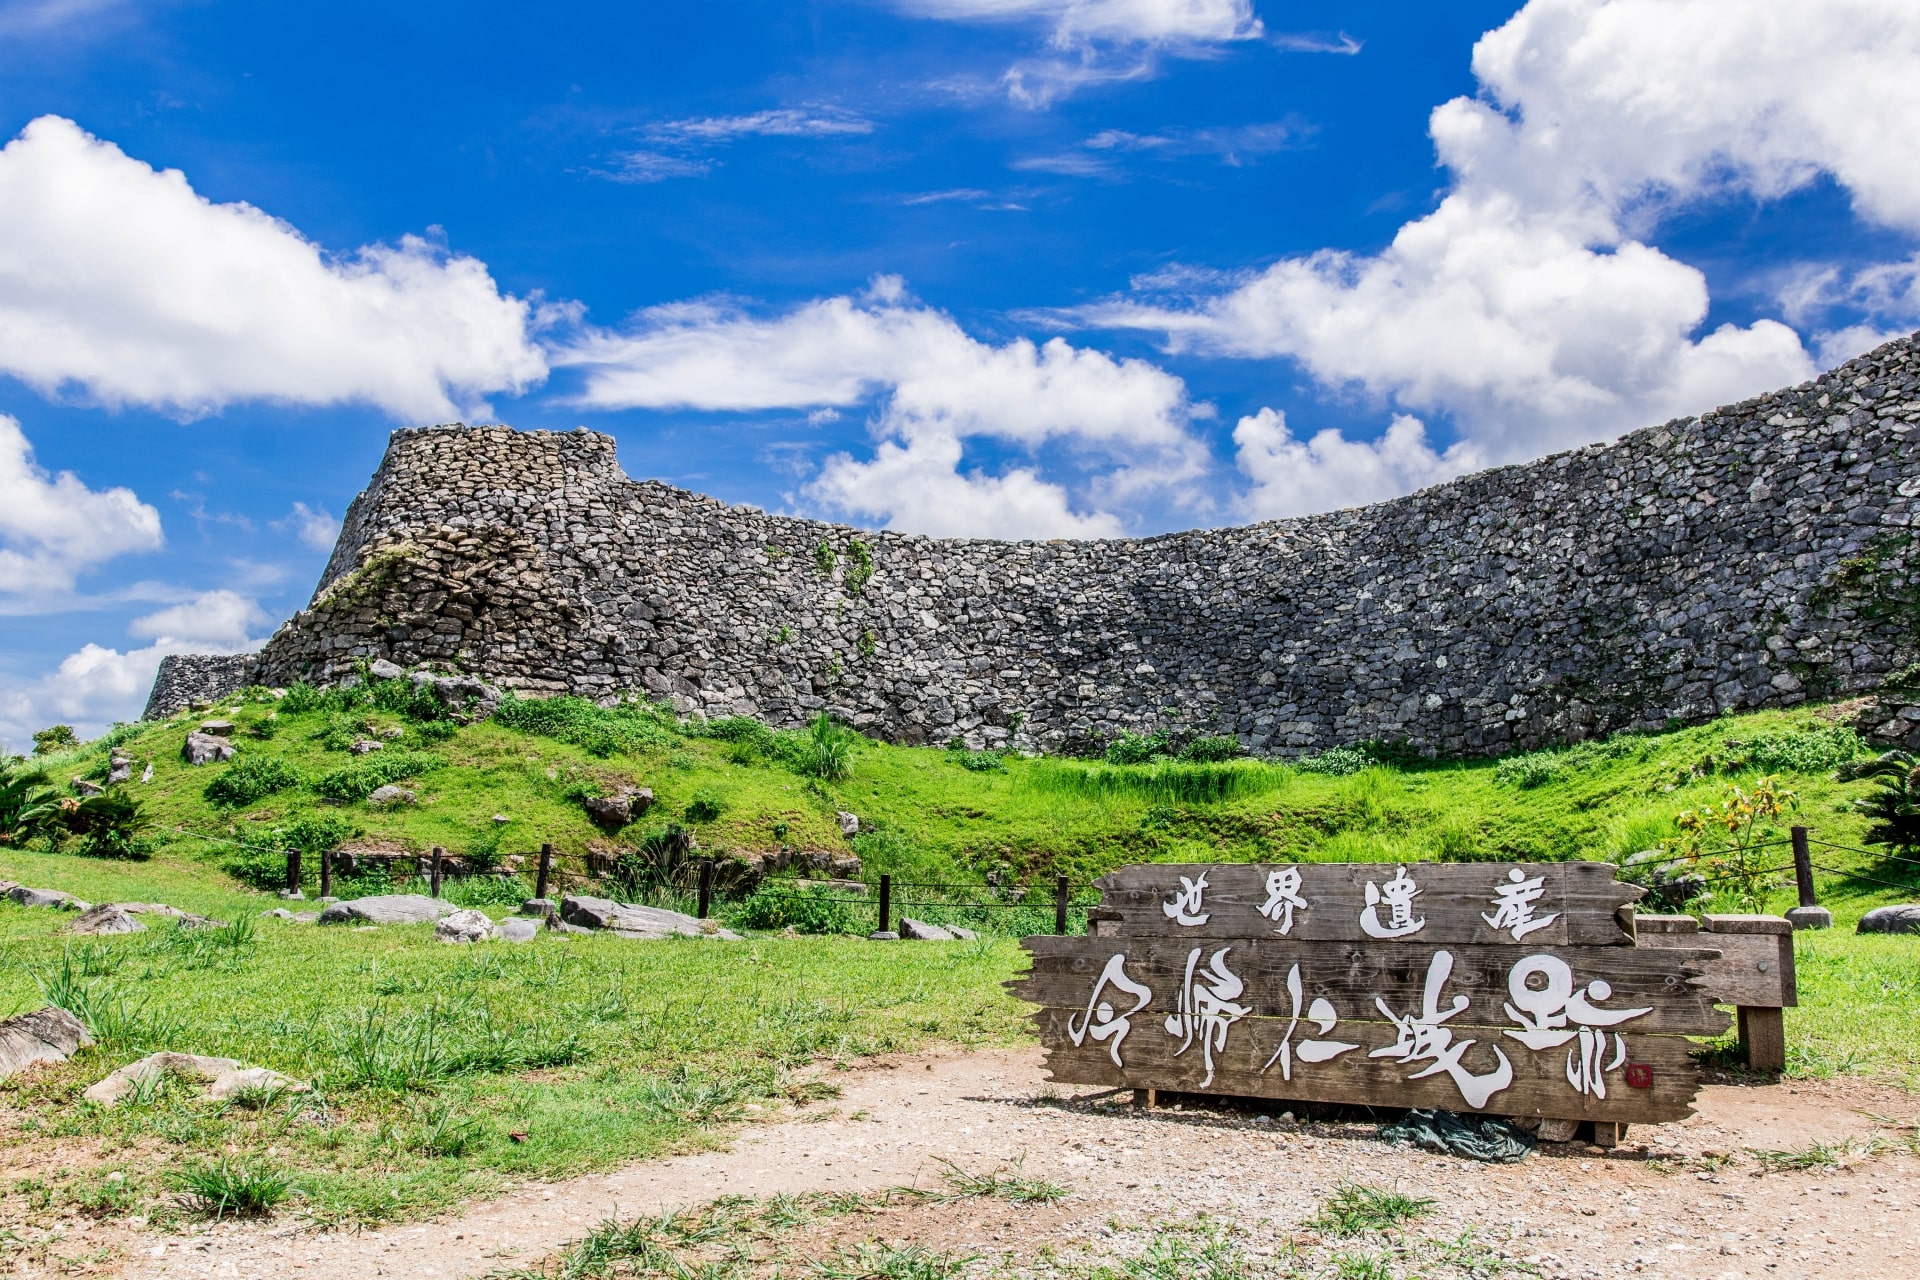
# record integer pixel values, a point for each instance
(60, 737)
(1731, 838)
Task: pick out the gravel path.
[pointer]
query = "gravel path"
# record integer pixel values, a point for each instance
(1677, 1210)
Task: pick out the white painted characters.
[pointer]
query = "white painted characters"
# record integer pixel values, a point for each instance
(1424, 1038)
(1513, 905)
(1397, 896)
(1283, 898)
(1321, 1014)
(1101, 1020)
(1184, 907)
(1207, 1007)
(1544, 1013)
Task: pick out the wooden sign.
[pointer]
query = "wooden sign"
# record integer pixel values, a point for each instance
(1513, 990)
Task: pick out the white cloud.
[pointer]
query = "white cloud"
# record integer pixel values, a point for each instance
(1292, 477)
(120, 283)
(316, 527)
(783, 122)
(53, 528)
(97, 686)
(656, 166)
(933, 386)
(1528, 306)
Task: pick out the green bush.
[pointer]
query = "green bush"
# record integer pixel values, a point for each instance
(302, 698)
(1337, 762)
(262, 862)
(1813, 749)
(1135, 748)
(802, 907)
(1212, 749)
(362, 778)
(250, 779)
(628, 726)
(434, 732)
(706, 805)
(54, 740)
(27, 807)
(405, 698)
(110, 825)
(976, 761)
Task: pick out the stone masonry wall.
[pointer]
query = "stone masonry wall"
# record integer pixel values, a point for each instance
(1753, 556)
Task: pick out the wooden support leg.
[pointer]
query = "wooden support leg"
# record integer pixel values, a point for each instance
(1146, 1097)
(1763, 1034)
(1608, 1133)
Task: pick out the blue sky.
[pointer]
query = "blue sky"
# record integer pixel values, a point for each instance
(992, 267)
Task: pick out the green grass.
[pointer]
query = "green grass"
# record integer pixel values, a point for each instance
(1355, 1207)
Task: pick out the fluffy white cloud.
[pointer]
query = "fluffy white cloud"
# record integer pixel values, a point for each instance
(1527, 306)
(316, 527)
(1292, 477)
(52, 527)
(97, 686)
(122, 283)
(933, 386)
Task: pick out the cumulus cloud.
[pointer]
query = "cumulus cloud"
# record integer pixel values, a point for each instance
(121, 284)
(932, 387)
(315, 526)
(1527, 306)
(96, 686)
(1292, 477)
(53, 527)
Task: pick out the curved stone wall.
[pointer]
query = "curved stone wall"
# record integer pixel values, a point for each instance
(1753, 556)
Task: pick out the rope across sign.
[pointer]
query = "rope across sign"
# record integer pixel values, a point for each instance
(1514, 990)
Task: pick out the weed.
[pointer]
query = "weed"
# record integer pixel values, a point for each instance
(706, 805)
(205, 947)
(1136, 748)
(630, 725)
(442, 1132)
(1818, 1155)
(1165, 782)
(231, 1187)
(1361, 1266)
(115, 1021)
(693, 1099)
(249, 779)
(1212, 750)
(829, 748)
(1336, 762)
(860, 572)
(361, 779)
(1355, 1207)
(1203, 1249)
(1008, 1184)
(824, 558)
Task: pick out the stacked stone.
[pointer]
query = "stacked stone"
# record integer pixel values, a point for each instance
(1713, 564)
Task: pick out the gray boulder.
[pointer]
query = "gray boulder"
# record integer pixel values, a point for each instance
(45, 1035)
(365, 746)
(390, 908)
(205, 748)
(223, 1077)
(849, 824)
(608, 811)
(218, 728)
(517, 929)
(464, 926)
(920, 931)
(1902, 917)
(119, 771)
(123, 917)
(46, 898)
(389, 795)
(636, 922)
(81, 787)
(381, 669)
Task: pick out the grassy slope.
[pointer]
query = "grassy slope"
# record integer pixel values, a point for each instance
(601, 1051)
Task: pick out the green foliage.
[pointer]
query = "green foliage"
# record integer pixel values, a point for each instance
(112, 824)
(368, 774)
(824, 558)
(828, 750)
(262, 861)
(630, 726)
(658, 865)
(860, 572)
(434, 732)
(1530, 769)
(415, 701)
(1211, 750)
(974, 761)
(1736, 839)
(706, 805)
(52, 741)
(249, 779)
(79, 982)
(1165, 783)
(802, 907)
(232, 1188)
(27, 807)
(1355, 1207)
(482, 892)
(1813, 749)
(302, 698)
(1136, 748)
(1893, 806)
(1336, 762)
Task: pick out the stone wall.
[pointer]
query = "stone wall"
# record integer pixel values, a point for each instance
(186, 679)
(1749, 557)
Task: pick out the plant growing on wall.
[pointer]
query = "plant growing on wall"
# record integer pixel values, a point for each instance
(861, 572)
(824, 557)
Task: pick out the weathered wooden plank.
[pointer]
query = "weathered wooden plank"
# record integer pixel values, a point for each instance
(1751, 969)
(1529, 1082)
(1349, 977)
(1485, 903)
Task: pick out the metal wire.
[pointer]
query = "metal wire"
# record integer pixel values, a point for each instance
(1855, 875)
(1865, 853)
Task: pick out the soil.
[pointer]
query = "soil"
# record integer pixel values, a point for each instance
(1682, 1200)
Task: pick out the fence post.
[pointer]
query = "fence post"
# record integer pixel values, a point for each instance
(706, 886)
(433, 869)
(293, 873)
(1809, 914)
(326, 873)
(886, 902)
(1060, 907)
(546, 869)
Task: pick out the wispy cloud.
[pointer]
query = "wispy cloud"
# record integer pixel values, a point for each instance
(1314, 42)
(1238, 145)
(784, 122)
(966, 194)
(655, 166)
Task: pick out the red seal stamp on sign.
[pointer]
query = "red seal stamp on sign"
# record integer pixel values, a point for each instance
(1639, 1075)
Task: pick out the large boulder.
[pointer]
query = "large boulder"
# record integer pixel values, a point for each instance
(636, 922)
(464, 926)
(121, 917)
(46, 898)
(390, 908)
(205, 748)
(218, 728)
(921, 931)
(517, 929)
(1902, 917)
(389, 796)
(616, 811)
(45, 1035)
(223, 1077)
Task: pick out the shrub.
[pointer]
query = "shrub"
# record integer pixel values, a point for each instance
(361, 779)
(974, 761)
(804, 908)
(1209, 750)
(433, 732)
(405, 698)
(487, 891)
(631, 725)
(1531, 769)
(655, 865)
(302, 698)
(110, 825)
(1337, 762)
(264, 864)
(27, 807)
(827, 752)
(251, 779)
(58, 738)
(1134, 748)
(705, 806)
(1894, 805)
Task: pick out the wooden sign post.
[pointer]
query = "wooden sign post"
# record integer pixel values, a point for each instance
(1513, 990)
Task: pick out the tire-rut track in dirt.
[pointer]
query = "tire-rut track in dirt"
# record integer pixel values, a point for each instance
(1578, 1214)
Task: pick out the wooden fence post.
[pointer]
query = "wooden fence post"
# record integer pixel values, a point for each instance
(293, 872)
(546, 869)
(1809, 914)
(886, 901)
(433, 869)
(706, 886)
(1060, 892)
(326, 873)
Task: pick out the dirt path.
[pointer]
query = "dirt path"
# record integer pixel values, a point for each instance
(1576, 1214)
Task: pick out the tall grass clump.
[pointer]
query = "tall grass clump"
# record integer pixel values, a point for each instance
(250, 779)
(1167, 782)
(827, 752)
(630, 725)
(232, 1188)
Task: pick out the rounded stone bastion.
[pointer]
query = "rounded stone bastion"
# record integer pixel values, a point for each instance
(1753, 556)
